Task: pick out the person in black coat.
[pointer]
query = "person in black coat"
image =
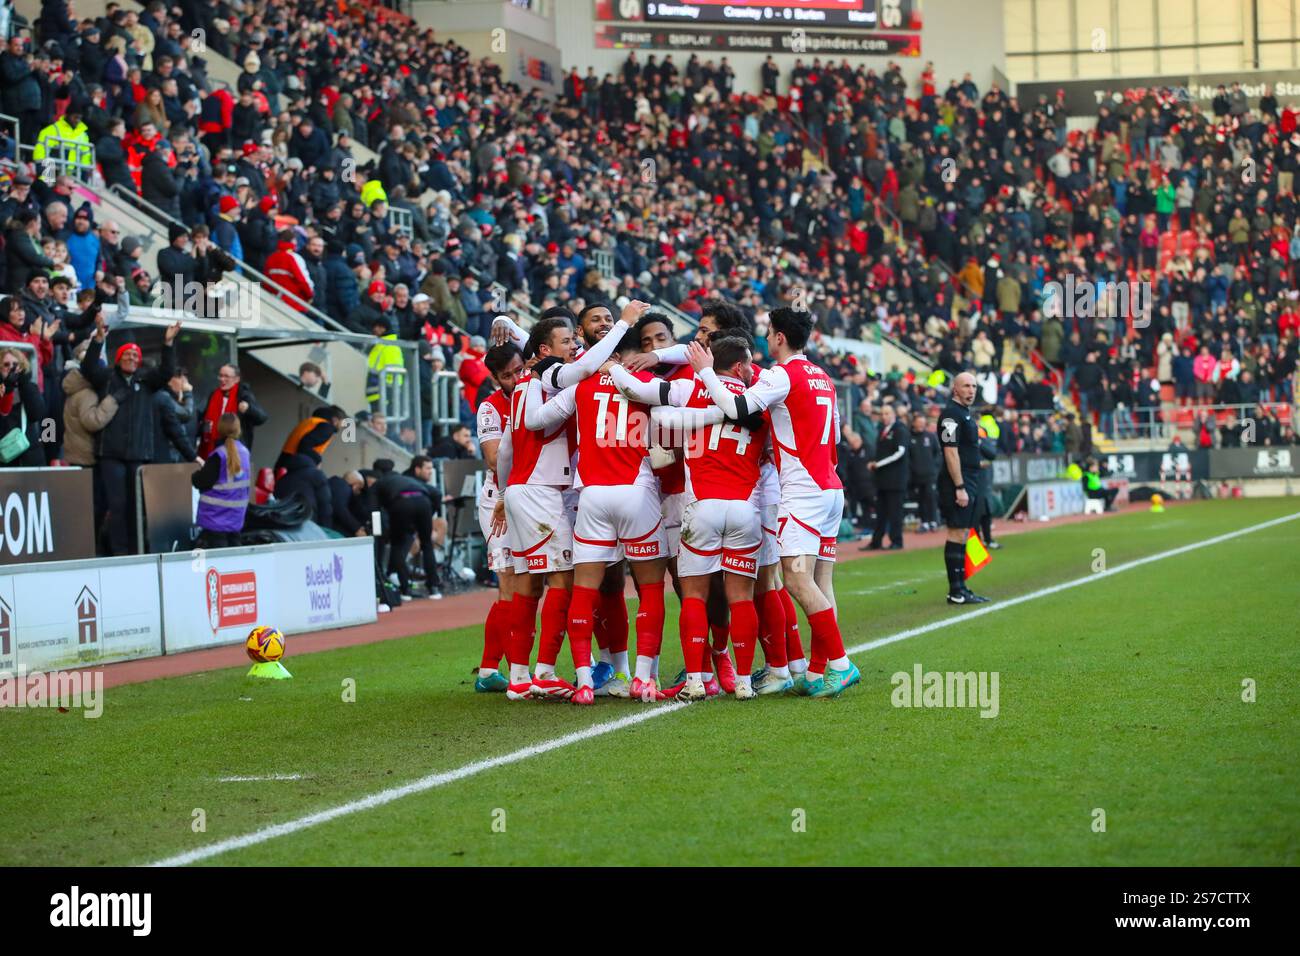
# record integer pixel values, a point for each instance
(309, 143)
(923, 471)
(23, 255)
(126, 442)
(20, 90)
(344, 492)
(175, 441)
(112, 157)
(176, 267)
(408, 504)
(161, 184)
(890, 469)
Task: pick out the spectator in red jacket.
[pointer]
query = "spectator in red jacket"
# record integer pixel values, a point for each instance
(472, 371)
(287, 273)
(14, 328)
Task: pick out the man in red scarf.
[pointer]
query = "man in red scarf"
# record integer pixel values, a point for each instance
(233, 396)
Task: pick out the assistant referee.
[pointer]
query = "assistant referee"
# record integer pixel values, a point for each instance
(959, 480)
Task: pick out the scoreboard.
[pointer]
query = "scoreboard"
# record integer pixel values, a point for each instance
(853, 14)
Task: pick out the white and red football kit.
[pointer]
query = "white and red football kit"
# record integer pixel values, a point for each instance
(493, 416)
(672, 481)
(539, 528)
(767, 500)
(618, 513)
(800, 400)
(720, 526)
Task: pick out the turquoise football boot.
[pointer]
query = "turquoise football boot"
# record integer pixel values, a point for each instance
(838, 681)
(493, 683)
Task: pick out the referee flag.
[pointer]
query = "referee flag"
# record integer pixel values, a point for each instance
(976, 554)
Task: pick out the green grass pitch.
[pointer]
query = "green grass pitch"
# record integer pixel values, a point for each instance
(1124, 696)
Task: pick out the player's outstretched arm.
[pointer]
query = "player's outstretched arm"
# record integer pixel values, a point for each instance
(505, 329)
(771, 388)
(547, 415)
(674, 419)
(571, 373)
(673, 355)
(653, 391)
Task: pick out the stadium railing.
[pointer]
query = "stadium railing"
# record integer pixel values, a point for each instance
(245, 269)
(285, 336)
(403, 221)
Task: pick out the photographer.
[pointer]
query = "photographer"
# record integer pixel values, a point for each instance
(211, 263)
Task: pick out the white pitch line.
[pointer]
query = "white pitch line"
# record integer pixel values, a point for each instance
(435, 780)
(269, 776)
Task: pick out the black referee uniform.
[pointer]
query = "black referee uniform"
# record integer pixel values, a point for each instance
(959, 429)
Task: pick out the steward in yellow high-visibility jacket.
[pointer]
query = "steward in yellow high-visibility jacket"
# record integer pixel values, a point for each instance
(372, 192)
(75, 147)
(383, 354)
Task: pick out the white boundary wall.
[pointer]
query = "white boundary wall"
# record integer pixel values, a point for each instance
(62, 614)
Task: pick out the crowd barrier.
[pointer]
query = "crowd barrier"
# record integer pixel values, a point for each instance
(79, 613)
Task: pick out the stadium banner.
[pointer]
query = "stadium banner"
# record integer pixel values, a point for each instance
(47, 515)
(811, 42)
(1022, 469)
(1055, 499)
(1083, 97)
(165, 505)
(1256, 462)
(533, 64)
(216, 597)
(856, 14)
(1154, 466)
(78, 613)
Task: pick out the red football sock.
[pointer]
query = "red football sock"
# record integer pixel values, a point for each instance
(826, 641)
(611, 622)
(650, 620)
(694, 628)
(496, 633)
(771, 627)
(523, 622)
(793, 647)
(744, 635)
(555, 620)
(721, 633)
(581, 612)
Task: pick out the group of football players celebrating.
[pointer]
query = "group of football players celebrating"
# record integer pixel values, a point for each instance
(608, 446)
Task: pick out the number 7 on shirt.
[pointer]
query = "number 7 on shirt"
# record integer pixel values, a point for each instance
(830, 414)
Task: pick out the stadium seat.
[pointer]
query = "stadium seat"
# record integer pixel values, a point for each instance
(265, 486)
(1094, 506)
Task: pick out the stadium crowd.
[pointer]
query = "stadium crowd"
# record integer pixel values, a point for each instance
(936, 217)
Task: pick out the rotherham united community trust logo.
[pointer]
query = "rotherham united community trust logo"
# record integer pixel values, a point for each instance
(232, 598)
